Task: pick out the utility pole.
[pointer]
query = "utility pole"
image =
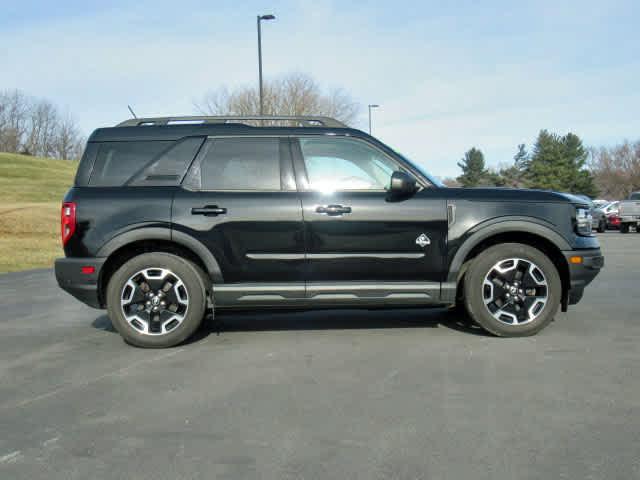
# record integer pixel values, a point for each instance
(260, 18)
(370, 107)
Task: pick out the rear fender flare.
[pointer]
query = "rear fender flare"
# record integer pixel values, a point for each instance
(168, 235)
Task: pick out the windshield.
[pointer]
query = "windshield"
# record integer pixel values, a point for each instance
(422, 171)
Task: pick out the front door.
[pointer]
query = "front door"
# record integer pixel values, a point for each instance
(239, 201)
(360, 241)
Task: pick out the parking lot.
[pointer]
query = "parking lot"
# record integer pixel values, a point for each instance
(339, 394)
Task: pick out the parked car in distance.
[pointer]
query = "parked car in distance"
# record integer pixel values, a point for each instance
(613, 221)
(629, 212)
(602, 214)
(591, 207)
(599, 203)
(169, 218)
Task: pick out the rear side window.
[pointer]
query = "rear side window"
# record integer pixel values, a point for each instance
(635, 196)
(116, 162)
(241, 164)
(170, 166)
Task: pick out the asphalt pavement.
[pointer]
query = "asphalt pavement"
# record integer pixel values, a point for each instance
(408, 394)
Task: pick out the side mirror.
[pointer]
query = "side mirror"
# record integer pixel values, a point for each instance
(402, 183)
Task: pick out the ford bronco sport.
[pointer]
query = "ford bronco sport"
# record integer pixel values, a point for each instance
(170, 217)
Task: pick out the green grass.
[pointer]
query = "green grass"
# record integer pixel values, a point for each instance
(31, 191)
(33, 179)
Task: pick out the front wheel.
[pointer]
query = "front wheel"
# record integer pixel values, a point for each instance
(624, 228)
(156, 300)
(512, 290)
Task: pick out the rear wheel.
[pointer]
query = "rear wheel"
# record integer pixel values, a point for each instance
(602, 226)
(512, 290)
(156, 300)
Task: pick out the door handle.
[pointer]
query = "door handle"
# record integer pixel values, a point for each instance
(333, 210)
(209, 211)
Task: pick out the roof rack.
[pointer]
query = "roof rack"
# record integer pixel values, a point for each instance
(302, 121)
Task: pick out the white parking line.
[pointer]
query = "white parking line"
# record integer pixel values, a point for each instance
(63, 388)
(10, 457)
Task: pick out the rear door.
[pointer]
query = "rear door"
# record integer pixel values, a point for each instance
(362, 243)
(239, 200)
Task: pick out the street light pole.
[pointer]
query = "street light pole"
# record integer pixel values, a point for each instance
(370, 107)
(259, 19)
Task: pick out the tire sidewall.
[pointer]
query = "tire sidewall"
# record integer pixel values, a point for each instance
(474, 280)
(193, 282)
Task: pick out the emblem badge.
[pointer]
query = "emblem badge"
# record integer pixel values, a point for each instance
(423, 240)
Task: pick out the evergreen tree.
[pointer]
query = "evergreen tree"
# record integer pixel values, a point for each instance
(474, 172)
(511, 176)
(521, 158)
(514, 176)
(580, 179)
(558, 163)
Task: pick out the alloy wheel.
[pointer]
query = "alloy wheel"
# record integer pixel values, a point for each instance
(154, 301)
(515, 291)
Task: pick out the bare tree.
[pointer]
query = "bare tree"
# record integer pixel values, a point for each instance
(14, 112)
(42, 129)
(451, 182)
(617, 169)
(36, 127)
(292, 94)
(68, 141)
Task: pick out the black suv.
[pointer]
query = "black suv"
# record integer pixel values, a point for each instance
(169, 217)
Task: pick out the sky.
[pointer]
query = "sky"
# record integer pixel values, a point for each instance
(447, 75)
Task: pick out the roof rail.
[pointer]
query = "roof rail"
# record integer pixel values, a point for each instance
(302, 121)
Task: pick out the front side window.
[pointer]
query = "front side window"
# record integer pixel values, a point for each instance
(335, 164)
(241, 164)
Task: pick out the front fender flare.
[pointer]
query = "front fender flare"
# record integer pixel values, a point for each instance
(501, 225)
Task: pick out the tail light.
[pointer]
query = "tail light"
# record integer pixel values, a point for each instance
(67, 221)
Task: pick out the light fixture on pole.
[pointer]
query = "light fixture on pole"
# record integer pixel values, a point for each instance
(370, 107)
(260, 18)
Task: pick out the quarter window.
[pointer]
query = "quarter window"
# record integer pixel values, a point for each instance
(118, 161)
(345, 164)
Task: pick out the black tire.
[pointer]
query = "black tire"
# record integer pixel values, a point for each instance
(624, 228)
(474, 289)
(602, 226)
(193, 280)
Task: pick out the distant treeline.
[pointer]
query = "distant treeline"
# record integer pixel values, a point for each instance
(562, 163)
(35, 126)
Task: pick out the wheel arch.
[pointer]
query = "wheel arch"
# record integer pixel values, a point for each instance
(130, 244)
(536, 235)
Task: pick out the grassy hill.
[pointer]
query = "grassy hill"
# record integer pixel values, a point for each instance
(31, 191)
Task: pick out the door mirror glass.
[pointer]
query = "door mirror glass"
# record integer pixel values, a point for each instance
(402, 183)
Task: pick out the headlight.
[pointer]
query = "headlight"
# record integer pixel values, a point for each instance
(583, 221)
